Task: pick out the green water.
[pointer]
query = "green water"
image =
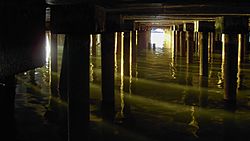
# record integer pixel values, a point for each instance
(161, 99)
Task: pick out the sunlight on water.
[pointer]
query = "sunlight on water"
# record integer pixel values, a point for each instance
(157, 37)
(161, 38)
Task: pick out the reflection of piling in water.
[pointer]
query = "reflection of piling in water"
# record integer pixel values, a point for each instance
(203, 99)
(229, 127)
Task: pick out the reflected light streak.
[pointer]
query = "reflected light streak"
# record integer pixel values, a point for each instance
(209, 46)
(38, 90)
(162, 105)
(115, 53)
(221, 75)
(48, 47)
(91, 71)
(122, 53)
(136, 38)
(211, 55)
(173, 55)
(136, 45)
(130, 62)
(167, 38)
(48, 55)
(196, 26)
(239, 59)
(122, 76)
(91, 43)
(194, 123)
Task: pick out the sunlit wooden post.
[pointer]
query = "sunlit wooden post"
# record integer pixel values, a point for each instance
(181, 43)
(143, 38)
(243, 44)
(94, 44)
(196, 43)
(134, 52)
(203, 28)
(183, 47)
(129, 45)
(178, 52)
(113, 24)
(126, 52)
(231, 26)
(119, 43)
(129, 42)
(242, 57)
(189, 28)
(203, 37)
(177, 42)
(210, 46)
(174, 44)
(189, 31)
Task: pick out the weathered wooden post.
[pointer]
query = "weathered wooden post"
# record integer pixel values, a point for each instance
(231, 26)
(78, 22)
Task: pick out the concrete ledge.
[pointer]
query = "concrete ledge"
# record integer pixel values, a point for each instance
(77, 18)
(232, 24)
